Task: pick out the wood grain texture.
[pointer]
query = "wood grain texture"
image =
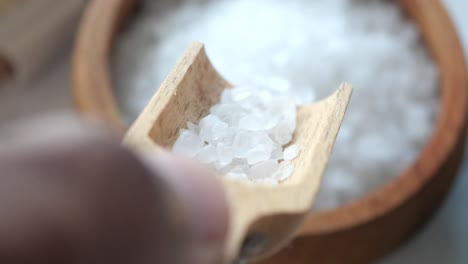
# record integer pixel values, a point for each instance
(370, 227)
(275, 212)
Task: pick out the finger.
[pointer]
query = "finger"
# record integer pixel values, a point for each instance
(203, 199)
(98, 202)
(74, 195)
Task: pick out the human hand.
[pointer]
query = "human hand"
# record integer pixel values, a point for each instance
(70, 193)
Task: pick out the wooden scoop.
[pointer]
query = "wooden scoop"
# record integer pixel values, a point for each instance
(263, 218)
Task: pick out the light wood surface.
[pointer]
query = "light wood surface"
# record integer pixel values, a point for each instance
(274, 212)
(367, 228)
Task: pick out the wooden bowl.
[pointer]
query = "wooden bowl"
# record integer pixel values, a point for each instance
(367, 228)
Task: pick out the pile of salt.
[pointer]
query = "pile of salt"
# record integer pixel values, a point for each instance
(314, 47)
(243, 136)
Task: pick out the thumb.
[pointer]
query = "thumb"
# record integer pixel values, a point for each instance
(200, 196)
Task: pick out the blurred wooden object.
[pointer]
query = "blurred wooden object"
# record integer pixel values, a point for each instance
(31, 32)
(6, 5)
(367, 228)
(91, 73)
(6, 70)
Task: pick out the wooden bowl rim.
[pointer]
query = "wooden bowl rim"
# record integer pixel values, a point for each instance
(94, 96)
(451, 122)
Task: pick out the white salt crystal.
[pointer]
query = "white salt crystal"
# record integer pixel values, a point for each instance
(285, 170)
(263, 170)
(264, 145)
(238, 173)
(208, 154)
(258, 154)
(229, 113)
(212, 129)
(243, 141)
(251, 122)
(240, 94)
(192, 127)
(277, 152)
(237, 164)
(291, 152)
(229, 135)
(246, 140)
(281, 133)
(225, 153)
(188, 143)
(257, 122)
(238, 134)
(237, 176)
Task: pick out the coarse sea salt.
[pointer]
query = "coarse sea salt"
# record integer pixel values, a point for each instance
(240, 136)
(305, 55)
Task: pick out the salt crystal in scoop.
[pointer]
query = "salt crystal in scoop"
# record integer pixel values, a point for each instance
(225, 154)
(238, 173)
(285, 170)
(243, 136)
(192, 127)
(291, 152)
(263, 170)
(207, 155)
(212, 129)
(188, 144)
